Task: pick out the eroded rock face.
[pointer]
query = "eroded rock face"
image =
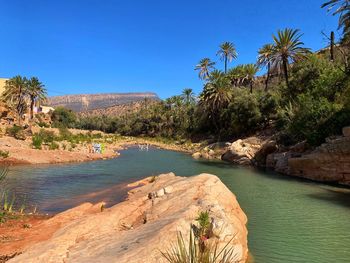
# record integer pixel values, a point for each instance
(328, 163)
(138, 229)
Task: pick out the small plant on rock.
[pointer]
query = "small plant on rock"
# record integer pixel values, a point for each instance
(4, 154)
(202, 247)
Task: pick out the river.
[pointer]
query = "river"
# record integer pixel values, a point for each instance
(290, 220)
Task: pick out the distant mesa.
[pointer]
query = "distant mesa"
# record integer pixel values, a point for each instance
(88, 102)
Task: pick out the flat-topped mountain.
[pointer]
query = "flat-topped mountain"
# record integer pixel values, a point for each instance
(87, 102)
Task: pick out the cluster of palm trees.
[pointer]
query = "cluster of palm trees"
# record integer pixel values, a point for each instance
(287, 48)
(20, 91)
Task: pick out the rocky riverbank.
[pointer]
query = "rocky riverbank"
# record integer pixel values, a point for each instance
(329, 162)
(140, 228)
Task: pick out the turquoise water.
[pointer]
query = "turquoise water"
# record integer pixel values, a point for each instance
(290, 220)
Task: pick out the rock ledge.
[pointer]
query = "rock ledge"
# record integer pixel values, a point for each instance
(137, 229)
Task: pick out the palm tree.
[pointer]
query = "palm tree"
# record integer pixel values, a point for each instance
(342, 8)
(250, 71)
(288, 49)
(188, 96)
(227, 53)
(36, 92)
(265, 60)
(204, 66)
(14, 95)
(236, 75)
(216, 96)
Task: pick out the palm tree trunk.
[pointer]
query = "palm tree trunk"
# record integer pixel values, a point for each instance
(31, 108)
(251, 86)
(332, 46)
(225, 64)
(285, 70)
(267, 77)
(18, 108)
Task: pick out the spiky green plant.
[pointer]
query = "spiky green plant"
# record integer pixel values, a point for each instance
(203, 220)
(180, 252)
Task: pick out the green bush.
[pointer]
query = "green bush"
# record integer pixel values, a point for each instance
(53, 146)
(65, 134)
(16, 132)
(47, 136)
(63, 117)
(243, 114)
(316, 76)
(37, 141)
(305, 118)
(4, 154)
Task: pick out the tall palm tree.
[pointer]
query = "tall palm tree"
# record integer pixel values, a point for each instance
(204, 66)
(14, 95)
(227, 53)
(36, 92)
(216, 95)
(250, 71)
(342, 8)
(188, 96)
(288, 49)
(265, 54)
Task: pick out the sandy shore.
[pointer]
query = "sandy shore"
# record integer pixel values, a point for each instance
(22, 152)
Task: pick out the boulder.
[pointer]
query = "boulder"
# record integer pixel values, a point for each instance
(140, 228)
(212, 151)
(197, 155)
(346, 131)
(252, 150)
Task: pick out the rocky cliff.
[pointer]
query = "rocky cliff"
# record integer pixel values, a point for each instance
(86, 102)
(147, 223)
(329, 162)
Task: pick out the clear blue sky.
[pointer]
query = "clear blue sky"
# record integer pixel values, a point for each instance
(91, 46)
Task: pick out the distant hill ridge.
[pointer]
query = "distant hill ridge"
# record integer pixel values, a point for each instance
(88, 102)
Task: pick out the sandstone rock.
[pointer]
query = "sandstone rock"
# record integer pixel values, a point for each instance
(266, 149)
(328, 163)
(250, 150)
(346, 131)
(137, 230)
(212, 151)
(168, 190)
(197, 155)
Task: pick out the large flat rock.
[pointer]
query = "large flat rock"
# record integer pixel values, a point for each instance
(138, 229)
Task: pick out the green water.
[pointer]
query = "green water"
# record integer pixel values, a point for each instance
(290, 220)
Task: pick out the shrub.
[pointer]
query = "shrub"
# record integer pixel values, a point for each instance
(37, 141)
(47, 136)
(305, 119)
(43, 125)
(16, 132)
(243, 114)
(4, 154)
(317, 76)
(53, 146)
(65, 134)
(63, 117)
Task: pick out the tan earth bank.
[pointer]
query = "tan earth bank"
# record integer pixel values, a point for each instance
(22, 151)
(140, 228)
